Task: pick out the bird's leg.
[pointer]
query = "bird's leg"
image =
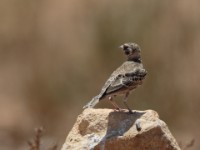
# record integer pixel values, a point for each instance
(125, 102)
(113, 103)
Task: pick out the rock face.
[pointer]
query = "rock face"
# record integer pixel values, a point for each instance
(106, 129)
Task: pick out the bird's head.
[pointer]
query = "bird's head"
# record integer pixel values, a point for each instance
(132, 50)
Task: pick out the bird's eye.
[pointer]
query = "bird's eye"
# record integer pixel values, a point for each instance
(125, 47)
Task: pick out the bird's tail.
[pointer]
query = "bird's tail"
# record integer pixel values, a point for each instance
(92, 103)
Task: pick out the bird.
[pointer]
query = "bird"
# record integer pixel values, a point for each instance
(124, 79)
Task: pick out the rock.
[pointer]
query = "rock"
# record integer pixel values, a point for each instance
(107, 129)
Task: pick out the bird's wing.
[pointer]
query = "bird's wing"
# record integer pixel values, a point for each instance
(106, 85)
(126, 80)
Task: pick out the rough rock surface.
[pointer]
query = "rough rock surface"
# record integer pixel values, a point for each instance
(106, 129)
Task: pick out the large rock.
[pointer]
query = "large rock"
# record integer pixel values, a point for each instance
(111, 130)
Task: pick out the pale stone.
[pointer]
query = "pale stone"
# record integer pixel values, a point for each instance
(107, 129)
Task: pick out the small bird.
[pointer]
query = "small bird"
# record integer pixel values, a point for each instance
(124, 79)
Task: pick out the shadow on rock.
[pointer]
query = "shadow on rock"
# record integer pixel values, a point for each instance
(118, 124)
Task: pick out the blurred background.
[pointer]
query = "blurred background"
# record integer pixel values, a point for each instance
(56, 55)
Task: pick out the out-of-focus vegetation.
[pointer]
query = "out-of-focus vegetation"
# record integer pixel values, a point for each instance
(56, 55)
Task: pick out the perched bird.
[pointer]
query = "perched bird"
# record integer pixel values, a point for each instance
(124, 79)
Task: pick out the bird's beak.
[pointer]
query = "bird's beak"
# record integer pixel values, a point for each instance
(121, 47)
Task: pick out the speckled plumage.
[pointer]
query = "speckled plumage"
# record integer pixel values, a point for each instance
(125, 78)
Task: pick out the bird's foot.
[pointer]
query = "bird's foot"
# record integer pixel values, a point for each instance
(118, 109)
(130, 111)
